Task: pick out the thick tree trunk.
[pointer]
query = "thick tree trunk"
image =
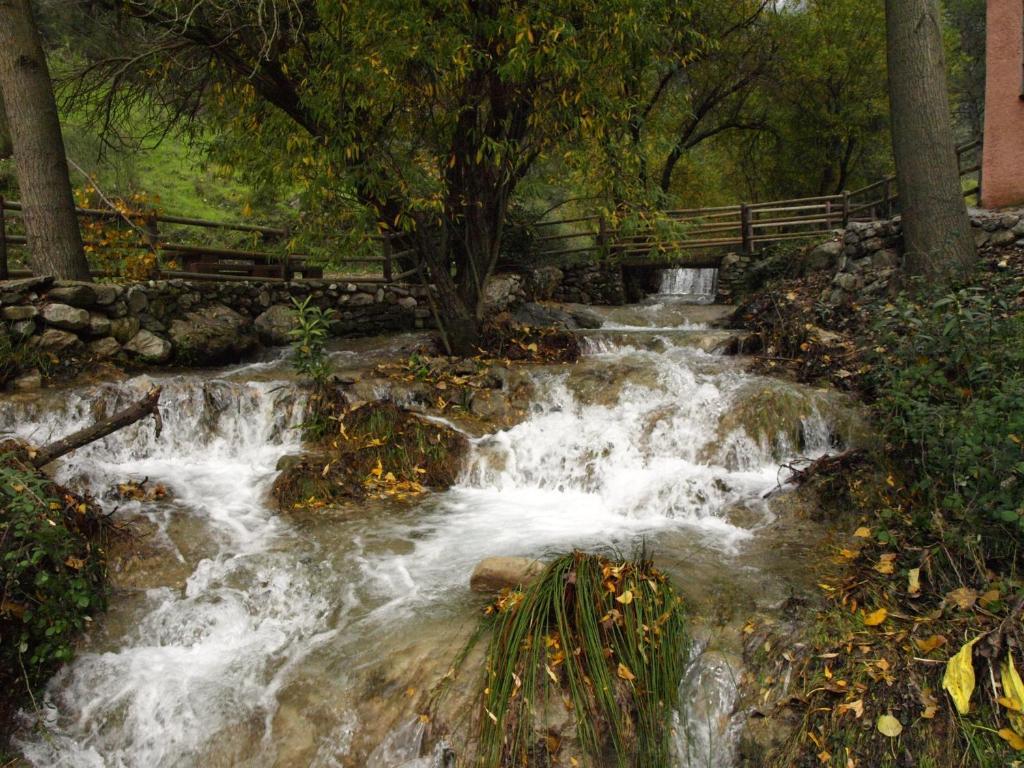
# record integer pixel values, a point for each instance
(936, 230)
(55, 242)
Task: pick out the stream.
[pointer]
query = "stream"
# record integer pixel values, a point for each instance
(254, 638)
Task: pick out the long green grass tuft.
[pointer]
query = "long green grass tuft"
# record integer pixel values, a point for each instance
(603, 641)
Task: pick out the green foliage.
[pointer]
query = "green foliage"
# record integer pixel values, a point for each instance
(949, 374)
(18, 357)
(309, 339)
(53, 573)
(609, 638)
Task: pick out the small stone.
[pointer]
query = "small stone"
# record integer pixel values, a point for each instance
(22, 329)
(407, 302)
(28, 382)
(104, 348)
(99, 325)
(873, 244)
(56, 341)
(137, 300)
(66, 317)
(275, 325)
(123, 328)
(1001, 238)
(981, 237)
(492, 574)
(21, 312)
(1019, 229)
(1009, 220)
(106, 294)
(77, 294)
(148, 347)
(885, 259)
(378, 297)
(361, 300)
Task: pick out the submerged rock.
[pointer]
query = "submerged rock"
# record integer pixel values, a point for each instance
(493, 574)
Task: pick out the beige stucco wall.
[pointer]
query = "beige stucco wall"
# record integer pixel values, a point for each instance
(1003, 153)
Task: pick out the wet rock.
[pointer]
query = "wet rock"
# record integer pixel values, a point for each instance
(148, 347)
(490, 405)
(275, 325)
(492, 574)
(77, 294)
(66, 317)
(585, 318)
(104, 348)
(212, 336)
(28, 382)
(56, 341)
(21, 312)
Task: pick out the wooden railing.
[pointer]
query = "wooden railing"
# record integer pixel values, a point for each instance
(197, 260)
(745, 227)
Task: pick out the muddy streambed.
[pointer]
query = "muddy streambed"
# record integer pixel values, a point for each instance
(240, 636)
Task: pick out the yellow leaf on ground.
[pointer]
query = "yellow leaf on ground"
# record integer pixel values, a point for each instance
(1011, 738)
(889, 726)
(963, 598)
(1013, 690)
(857, 707)
(989, 597)
(929, 644)
(862, 533)
(625, 672)
(875, 618)
(959, 677)
(886, 564)
(625, 598)
(914, 581)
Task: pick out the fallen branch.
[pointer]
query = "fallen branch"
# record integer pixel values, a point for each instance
(827, 464)
(147, 406)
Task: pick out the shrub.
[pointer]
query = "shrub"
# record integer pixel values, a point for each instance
(53, 574)
(949, 375)
(309, 359)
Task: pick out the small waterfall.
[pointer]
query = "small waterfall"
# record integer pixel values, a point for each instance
(694, 285)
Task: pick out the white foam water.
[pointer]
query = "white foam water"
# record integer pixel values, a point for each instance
(207, 663)
(695, 285)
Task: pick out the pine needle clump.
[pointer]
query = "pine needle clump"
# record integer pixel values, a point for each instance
(598, 644)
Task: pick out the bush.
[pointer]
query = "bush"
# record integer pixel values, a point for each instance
(309, 360)
(53, 574)
(949, 375)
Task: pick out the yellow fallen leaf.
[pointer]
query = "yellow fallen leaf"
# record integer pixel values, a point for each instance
(1011, 738)
(1013, 690)
(964, 597)
(625, 672)
(875, 618)
(625, 598)
(888, 725)
(824, 757)
(989, 597)
(862, 533)
(857, 707)
(886, 564)
(929, 644)
(959, 677)
(914, 582)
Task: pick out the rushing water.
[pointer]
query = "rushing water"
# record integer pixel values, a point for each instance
(695, 285)
(292, 639)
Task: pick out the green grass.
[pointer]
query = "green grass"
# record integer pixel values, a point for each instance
(602, 639)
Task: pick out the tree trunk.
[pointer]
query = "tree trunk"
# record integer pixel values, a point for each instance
(55, 242)
(6, 147)
(936, 230)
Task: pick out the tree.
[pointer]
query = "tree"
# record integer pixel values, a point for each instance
(428, 114)
(48, 208)
(936, 230)
(6, 147)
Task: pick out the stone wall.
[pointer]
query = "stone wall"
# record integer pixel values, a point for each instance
(199, 323)
(591, 284)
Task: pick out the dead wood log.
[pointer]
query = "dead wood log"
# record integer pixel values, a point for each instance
(147, 406)
(826, 465)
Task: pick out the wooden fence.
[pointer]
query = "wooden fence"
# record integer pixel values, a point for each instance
(745, 227)
(702, 232)
(182, 245)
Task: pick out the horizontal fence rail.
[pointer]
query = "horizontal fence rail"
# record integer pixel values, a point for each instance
(745, 227)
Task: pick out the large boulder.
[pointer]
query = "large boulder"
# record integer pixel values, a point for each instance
(275, 325)
(147, 347)
(66, 317)
(213, 335)
(493, 574)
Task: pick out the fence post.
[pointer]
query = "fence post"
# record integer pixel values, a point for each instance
(4, 273)
(602, 237)
(887, 198)
(387, 259)
(746, 229)
(846, 207)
